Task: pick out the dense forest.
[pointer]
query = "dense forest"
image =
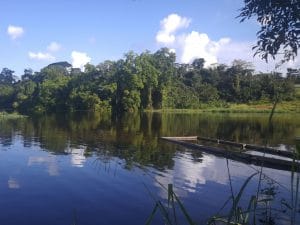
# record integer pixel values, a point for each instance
(141, 81)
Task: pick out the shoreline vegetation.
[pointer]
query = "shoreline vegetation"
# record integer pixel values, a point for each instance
(149, 82)
(257, 107)
(13, 115)
(282, 107)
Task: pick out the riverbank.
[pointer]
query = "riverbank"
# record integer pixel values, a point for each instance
(256, 107)
(261, 107)
(4, 116)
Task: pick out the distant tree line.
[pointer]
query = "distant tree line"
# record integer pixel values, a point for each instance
(141, 81)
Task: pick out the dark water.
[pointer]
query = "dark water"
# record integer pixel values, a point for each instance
(95, 169)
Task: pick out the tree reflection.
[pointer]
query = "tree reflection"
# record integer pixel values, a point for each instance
(134, 138)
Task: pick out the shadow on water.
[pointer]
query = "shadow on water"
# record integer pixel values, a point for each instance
(56, 132)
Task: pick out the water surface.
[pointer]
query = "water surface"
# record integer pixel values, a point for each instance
(99, 169)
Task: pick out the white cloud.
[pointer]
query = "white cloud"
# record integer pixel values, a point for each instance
(47, 56)
(294, 63)
(198, 45)
(15, 32)
(79, 59)
(172, 50)
(41, 56)
(169, 26)
(243, 50)
(54, 47)
(236, 50)
(191, 45)
(188, 45)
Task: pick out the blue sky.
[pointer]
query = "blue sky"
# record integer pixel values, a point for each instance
(34, 33)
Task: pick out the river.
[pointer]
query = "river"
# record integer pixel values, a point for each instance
(89, 169)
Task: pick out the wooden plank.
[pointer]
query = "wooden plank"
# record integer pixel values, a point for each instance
(261, 149)
(186, 138)
(219, 141)
(257, 160)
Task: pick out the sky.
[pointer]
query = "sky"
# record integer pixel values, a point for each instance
(35, 33)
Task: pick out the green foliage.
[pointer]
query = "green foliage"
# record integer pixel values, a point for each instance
(6, 96)
(279, 21)
(142, 81)
(7, 76)
(208, 93)
(80, 100)
(179, 96)
(53, 93)
(149, 75)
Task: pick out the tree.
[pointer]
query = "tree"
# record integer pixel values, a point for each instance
(198, 63)
(149, 75)
(7, 79)
(28, 74)
(280, 26)
(7, 76)
(164, 61)
(24, 95)
(129, 84)
(140, 81)
(294, 75)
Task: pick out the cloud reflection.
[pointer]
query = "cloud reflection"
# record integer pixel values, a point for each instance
(189, 175)
(13, 183)
(77, 156)
(50, 161)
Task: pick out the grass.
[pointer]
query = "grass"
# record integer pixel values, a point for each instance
(236, 214)
(6, 116)
(169, 211)
(261, 107)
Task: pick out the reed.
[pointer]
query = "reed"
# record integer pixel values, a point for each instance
(258, 209)
(168, 211)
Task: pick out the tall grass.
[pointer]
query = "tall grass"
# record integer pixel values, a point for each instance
(236, 214)
(169, 211)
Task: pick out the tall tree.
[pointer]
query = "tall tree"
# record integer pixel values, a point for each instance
(149, 75)
(164, 62)
(7, 76)
(129, 84)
